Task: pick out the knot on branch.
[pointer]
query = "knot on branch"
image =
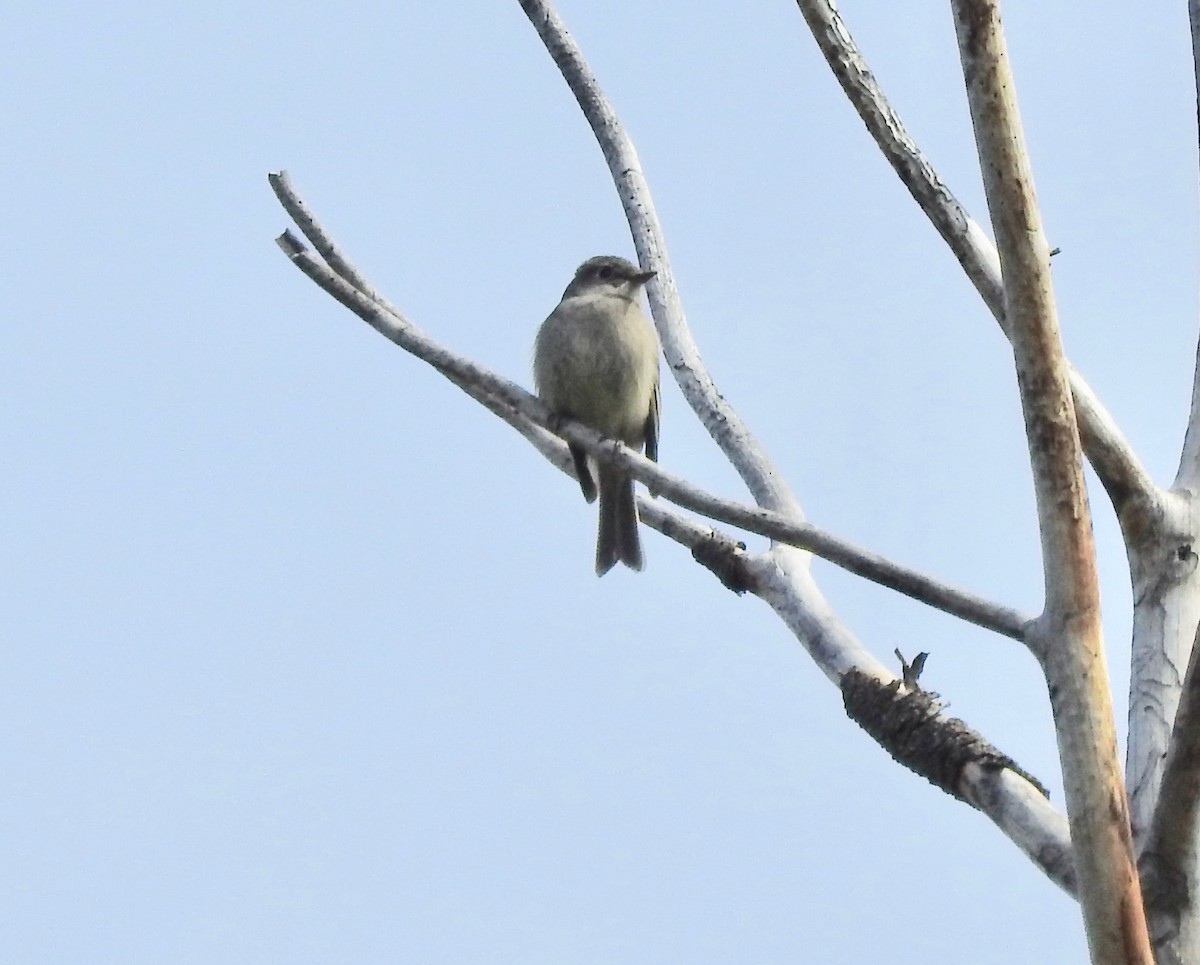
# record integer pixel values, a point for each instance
(909, 726)
(725, 559)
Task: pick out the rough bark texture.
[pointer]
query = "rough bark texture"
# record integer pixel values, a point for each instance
(1170, 787)
(909, 725)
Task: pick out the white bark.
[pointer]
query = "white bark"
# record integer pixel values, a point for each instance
(781, 576)
(1028, 819)
(1160, 528)
(1109, 452)
(1168, 860)
(1188, 476)
(1017, 809)
(1163, 765)
(726, 427)
(1166, 592)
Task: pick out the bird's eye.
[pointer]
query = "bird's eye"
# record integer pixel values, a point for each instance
(606, 273)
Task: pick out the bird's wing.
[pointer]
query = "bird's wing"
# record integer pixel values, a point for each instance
(652, 424)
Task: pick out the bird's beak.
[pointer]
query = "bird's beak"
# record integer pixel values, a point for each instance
(642, 277)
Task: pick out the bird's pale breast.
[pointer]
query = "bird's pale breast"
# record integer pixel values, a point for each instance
(605, 364)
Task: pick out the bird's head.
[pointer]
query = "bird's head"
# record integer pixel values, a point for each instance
(607, 273)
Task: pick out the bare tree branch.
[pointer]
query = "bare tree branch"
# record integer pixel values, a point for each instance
(1024, 814)
(1164, 713)
(1168, 859)
(1069, 631)
(326, 247)
(1188, 476)
(910, 725)
(780, 577)
(964, 236)
(671, 524)
(523, 411)
(725, 426)
(790, 591)
(1164, 570)
(1114, 460)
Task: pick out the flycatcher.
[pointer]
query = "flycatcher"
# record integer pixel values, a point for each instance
(596, 360)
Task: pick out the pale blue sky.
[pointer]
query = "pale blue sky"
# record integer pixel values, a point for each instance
(304, 659)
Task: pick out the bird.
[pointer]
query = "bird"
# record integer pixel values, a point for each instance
(595, 359)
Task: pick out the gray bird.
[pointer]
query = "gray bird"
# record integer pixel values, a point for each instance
(596, 360)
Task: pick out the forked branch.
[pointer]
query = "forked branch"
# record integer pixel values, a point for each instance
(781, 576)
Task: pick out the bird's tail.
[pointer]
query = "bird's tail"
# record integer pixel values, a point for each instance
(618, 538)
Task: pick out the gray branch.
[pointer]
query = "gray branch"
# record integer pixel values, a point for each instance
(1188, 476)
(1128, 484)
(790, 591)
(1026, 817)
(1164, 714)
(1168, 859)
(529, 415)
(781, 577)
(723, 423)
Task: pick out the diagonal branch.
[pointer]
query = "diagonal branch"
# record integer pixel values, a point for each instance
(326, 247)
(780, 577)
(519, 408)
(1067, 636)
(1007, 798)
(1122, 474)
(673, 525)
(910, 725)
(964, 236)
(1027, 818)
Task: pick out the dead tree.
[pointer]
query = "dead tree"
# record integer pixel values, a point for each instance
(1129, 858)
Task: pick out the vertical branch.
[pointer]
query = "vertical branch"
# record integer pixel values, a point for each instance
(1168, 861)
(1188, 476)
(1164, 571)
(1164, 710)
(1068, 637)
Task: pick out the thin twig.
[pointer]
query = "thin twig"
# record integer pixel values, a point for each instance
(306, 221)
